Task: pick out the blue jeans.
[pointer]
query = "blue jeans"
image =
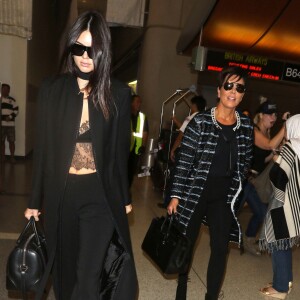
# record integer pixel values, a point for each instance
(258, 208)
(282, 269)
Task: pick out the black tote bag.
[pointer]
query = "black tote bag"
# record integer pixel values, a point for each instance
(167, 247)
(27, 261)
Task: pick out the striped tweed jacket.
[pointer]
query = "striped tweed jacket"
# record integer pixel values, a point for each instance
(194, 160)
(281, 228)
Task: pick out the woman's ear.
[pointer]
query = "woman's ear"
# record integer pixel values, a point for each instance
(218, 92)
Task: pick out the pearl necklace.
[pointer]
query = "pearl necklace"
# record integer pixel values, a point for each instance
(213, 116)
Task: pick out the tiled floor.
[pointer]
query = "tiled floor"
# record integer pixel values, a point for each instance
(245, 273)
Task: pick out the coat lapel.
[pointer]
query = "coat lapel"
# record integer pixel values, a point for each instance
(98, 131)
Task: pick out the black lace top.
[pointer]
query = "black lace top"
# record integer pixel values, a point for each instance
(83, 155)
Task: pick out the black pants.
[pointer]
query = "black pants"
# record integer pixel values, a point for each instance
(133, 163)
(86, 230)
(219, 217)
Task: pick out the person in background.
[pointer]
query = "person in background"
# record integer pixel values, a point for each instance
(281, 225)
(140, 134)
(198, 104)
(80, 180)
(176, 122)
(9, 111)
(247, 113)
(216, 151)
(263, 152)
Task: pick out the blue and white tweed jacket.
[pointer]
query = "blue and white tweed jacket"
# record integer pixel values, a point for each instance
(194, 161)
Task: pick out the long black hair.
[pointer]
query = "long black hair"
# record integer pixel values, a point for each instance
(99, 81)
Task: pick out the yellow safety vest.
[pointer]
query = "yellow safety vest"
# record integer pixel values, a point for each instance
(137, 134)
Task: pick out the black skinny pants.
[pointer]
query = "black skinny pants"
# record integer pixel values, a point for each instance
(86, 230)
(133, 163)
(219, 217)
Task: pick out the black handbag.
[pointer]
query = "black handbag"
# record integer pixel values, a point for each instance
(167, 246)
(27, 261)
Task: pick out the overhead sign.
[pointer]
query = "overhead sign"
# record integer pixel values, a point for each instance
(291, 72)
(256, 66)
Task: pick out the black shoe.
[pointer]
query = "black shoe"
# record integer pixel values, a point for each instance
(209, 297)
(181, 287)
(181, 292)
(161, 205)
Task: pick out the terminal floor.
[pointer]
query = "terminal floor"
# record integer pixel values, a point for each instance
(244, 276)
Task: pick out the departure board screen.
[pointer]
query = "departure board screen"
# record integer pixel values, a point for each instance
(256, 66)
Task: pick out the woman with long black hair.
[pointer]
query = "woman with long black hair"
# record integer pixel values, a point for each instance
(80, 171)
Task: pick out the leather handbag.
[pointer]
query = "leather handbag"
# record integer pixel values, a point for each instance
(27, 261)
(168, 248)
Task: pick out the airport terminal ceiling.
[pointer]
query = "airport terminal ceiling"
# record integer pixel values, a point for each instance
(259, 27)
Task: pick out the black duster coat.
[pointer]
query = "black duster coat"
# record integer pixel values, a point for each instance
(59, 113)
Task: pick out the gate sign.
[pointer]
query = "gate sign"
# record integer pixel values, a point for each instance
(291, 72)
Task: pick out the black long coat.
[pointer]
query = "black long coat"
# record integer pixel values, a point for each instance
(59, 113)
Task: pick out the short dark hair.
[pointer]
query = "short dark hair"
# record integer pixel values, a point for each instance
(200, 102)
(99, 81)
(231, 71)
(6, 85)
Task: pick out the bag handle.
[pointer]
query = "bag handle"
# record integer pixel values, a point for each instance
(24, 231)
(31, 223)
(170, 219)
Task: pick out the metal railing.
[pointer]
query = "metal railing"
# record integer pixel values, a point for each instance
(178, 96)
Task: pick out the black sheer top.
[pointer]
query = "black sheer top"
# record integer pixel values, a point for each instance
(83, 155)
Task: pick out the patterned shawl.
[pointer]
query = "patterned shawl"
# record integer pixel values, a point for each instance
(281, 229)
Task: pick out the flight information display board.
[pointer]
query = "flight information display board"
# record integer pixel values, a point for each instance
(256, 66)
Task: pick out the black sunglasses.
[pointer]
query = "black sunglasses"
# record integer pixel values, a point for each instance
(78, 50)
(240, 88)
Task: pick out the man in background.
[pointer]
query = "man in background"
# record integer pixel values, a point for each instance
(139, 138)
(9, 111)
(198, 104)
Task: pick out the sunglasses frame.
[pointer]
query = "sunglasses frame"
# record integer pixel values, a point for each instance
(240, 88)
(80, 49)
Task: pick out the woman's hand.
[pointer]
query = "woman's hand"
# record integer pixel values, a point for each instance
(128, 208)
(172, 207)
(172, 155)
(32, 213)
